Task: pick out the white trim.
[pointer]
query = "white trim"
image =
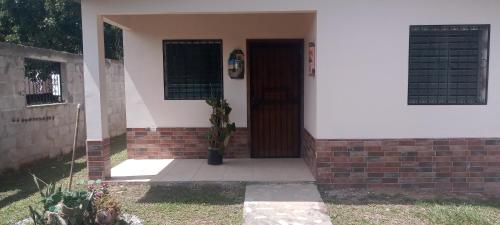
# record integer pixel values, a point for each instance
(45, 105)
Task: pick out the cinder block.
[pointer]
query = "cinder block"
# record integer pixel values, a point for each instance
(32, 139)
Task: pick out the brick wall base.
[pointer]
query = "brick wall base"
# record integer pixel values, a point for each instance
(181, 143)
(464, 165)
(309, 152)
(98, 163)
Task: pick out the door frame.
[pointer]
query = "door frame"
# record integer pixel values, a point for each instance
(299, 42)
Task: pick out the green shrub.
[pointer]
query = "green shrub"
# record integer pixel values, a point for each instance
(94, 206)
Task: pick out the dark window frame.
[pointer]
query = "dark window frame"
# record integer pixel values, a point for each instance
(165, 68)
(39, 81)
(482, 74)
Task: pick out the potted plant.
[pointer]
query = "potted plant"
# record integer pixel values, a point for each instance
(221, 130)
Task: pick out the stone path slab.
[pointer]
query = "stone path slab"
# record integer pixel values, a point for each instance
(284, 204)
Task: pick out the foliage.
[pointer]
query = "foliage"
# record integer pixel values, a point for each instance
(52, 24)
(107, 208)
(50, 195)
(80, 207)
(62, 206)
(113, 42)
(36, 217)
(222, 129)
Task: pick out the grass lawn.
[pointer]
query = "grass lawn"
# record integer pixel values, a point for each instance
(180, 204)
(155, 205)
(363, 207)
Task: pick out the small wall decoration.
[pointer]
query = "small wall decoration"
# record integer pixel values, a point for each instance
(236, 64)
(312, 59)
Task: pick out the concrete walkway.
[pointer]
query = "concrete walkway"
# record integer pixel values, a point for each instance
(197, 170)
(284, 204)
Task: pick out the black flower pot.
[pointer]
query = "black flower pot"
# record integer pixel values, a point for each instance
(214, 156)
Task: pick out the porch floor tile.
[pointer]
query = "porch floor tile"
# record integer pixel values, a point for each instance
(184, 170)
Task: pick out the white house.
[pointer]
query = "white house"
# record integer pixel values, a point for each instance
(388, 93)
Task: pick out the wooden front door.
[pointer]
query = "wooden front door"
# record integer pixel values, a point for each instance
(275, 68)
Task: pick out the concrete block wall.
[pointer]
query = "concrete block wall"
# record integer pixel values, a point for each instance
(29, 133)
(116, 98)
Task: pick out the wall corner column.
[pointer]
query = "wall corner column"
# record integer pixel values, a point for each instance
(98, 144)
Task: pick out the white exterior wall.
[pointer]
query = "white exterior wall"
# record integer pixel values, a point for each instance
(143, 62)
(363, 76)
(93, 70)
(360, 90)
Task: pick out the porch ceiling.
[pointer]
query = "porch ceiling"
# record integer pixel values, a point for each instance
(127, 21)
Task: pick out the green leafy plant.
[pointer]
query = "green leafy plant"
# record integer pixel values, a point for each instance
(51, 195)
(78, 207)
(52, 24)
(222, 129)
(61, 207)
(36, 217)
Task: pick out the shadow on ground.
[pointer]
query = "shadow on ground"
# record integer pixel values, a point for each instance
(54, 170)
(49, 170)
(183, 203)
(211, 194)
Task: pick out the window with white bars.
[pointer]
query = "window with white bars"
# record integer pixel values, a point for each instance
(448, 65)
(42, 82)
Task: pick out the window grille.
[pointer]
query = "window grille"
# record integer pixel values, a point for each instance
(448, 65)
(192, 69)
(42, 81)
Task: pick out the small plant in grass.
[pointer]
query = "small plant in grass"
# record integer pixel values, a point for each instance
(93, 206)
(62, 207)
(107, 208)
(221, 130)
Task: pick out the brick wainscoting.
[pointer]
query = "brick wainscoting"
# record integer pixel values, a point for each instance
(98, 162)
(180, 143)
(309, 152)
(447, 165)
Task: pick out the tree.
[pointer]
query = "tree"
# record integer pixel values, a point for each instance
(53, 24)
(113, 42)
